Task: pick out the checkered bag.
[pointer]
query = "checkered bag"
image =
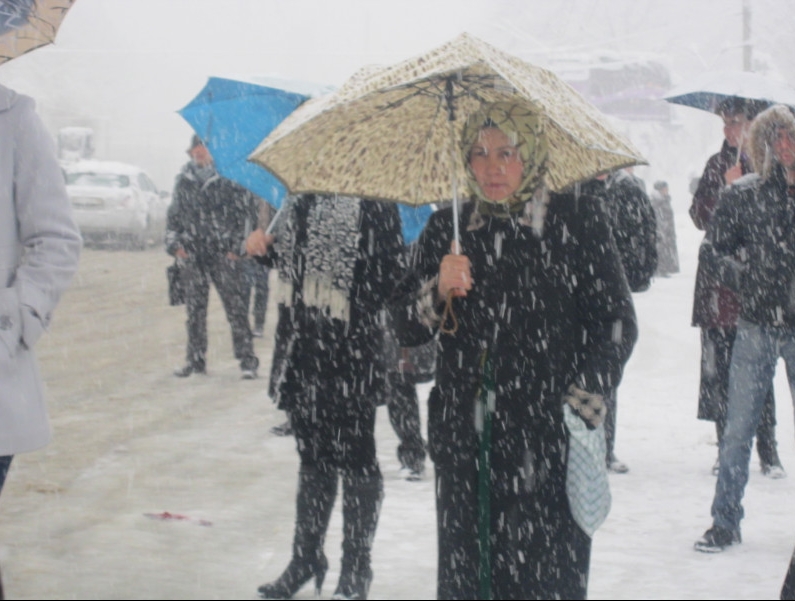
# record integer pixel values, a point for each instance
(587, 486)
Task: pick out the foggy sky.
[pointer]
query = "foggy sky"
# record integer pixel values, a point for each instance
(125, 67)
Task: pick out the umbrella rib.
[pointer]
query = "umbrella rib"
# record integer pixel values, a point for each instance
(436, 88)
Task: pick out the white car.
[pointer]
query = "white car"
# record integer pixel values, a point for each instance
(115, 201)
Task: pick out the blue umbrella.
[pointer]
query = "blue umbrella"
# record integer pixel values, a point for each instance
(232, 117)
(413, 220)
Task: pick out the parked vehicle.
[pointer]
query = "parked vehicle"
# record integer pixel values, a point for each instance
(116, 202)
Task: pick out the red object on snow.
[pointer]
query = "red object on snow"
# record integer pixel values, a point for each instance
(166, 515)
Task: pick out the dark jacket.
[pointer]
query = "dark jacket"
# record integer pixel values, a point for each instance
(756, 218)
(705, 199)
(552, 310)
(715, 304)
(334, 353)
(209, 217)
(633, 223)
(667, 254)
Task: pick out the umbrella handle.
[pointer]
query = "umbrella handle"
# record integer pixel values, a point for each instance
(449, 314)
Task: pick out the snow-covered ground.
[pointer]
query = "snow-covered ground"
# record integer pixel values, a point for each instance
(130, 439)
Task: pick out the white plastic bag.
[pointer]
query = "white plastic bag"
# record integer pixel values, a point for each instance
(587, 486)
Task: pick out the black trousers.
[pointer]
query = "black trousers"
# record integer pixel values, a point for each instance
(404, 415)
(227, 276)
(257, 280)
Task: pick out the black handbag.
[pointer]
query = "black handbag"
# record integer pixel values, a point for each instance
(176, 289)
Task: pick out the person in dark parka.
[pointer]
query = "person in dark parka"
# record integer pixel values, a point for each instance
(538, 291)
(205, 230)
(667, 253)
(634, 228)
(338, 259)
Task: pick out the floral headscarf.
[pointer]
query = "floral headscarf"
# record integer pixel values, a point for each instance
(526, 129)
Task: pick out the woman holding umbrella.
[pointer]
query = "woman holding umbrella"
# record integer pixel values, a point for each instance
(542, 316)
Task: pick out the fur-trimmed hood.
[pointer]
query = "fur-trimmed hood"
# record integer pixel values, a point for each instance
(764, 130)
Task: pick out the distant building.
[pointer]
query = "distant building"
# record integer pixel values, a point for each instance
(626, 86)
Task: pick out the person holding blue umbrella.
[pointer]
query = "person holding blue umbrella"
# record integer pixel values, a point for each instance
(207, 223)
(232, 117)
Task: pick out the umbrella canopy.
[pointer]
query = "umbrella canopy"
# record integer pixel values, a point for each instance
(413, 220)
(393, 133)
(232, 117)
(708, 90)
(29, 24)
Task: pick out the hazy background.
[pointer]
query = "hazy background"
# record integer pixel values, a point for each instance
(124, 67)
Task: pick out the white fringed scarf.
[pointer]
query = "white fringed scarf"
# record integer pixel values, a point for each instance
(330, 252)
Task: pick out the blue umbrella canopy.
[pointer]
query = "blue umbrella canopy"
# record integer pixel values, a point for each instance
(232, 117)
(413, 220)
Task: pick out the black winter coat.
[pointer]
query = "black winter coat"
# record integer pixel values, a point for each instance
(552, 310)
(211, 217)
(757, 218)
(347, 358)
(715, 304)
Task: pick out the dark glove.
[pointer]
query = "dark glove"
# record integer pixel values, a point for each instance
(590, 407)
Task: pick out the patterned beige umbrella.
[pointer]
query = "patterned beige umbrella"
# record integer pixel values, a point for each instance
(29, 24)
(392, 133)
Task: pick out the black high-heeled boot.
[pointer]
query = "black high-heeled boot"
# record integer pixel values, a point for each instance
(299, 571)
(361, 504)
(314, 502)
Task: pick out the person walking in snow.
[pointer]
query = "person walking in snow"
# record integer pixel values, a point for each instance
(539, 295)
(667, 254)
(205, 230)
(39, 256)
(407, 367)
(755, 218)
(634, 228)
(337, 258)
(716, 306)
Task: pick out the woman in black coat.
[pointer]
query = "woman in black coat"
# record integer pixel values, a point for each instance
(539, 294)
(338, 259)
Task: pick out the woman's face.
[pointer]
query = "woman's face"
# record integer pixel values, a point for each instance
(496, 164)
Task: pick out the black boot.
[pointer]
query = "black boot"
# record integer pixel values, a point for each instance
(315, 500)
(361, 504)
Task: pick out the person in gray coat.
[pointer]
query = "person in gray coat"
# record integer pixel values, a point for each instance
(38, 258)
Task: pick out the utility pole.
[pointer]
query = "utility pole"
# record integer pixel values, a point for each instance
(747, 35)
